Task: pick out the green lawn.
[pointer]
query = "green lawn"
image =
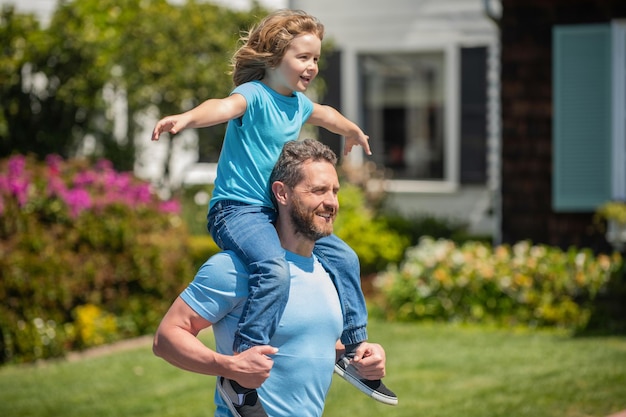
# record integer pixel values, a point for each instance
(436, 370)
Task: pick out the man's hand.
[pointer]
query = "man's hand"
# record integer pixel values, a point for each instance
(369, 360)
(251, 367)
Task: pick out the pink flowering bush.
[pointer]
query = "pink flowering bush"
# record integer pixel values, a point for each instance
(74, 234)
(78, 186)
(523, 284)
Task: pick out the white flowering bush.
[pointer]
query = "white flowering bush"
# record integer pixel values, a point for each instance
(524, 284)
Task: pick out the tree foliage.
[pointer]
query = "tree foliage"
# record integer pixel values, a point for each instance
(154, 57)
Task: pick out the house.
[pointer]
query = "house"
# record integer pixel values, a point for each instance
(421, 79)
(563, 101)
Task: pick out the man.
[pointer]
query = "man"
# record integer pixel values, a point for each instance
(304, 349)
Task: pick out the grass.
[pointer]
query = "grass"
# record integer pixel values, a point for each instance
(436, 370)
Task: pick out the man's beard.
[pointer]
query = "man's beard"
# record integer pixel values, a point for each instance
(304, 222)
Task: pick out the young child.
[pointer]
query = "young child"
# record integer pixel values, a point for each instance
(275, 65)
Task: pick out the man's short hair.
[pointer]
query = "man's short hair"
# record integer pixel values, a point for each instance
(294, 154)
(288, 167)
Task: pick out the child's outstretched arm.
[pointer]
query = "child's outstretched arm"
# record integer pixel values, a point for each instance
(330, 119)
(209, 113)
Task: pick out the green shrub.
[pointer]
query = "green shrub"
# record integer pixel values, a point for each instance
(525, 284)
(416, 226)
(374, 243)
(201, 248)
(195, 204)
(74, 235)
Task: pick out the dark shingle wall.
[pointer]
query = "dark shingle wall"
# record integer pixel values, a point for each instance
(526, 37)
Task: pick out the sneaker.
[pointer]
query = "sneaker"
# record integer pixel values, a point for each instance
(373, 388)
(242, 402)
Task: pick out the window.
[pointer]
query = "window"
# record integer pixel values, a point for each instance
(403, 109)
(410, 103)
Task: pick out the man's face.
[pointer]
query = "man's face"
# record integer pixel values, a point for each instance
(314, 203)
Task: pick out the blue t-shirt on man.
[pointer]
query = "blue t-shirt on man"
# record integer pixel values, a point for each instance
(311, 324)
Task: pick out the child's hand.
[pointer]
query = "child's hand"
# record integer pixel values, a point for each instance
(359, 138)
(171, 124)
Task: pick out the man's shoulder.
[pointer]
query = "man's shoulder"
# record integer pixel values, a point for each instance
(222, 275)
(219, 287)
(223, 265)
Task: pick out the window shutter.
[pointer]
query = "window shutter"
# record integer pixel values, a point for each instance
(474, 115)
(582, 117)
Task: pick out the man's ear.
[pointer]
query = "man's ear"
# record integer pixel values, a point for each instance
(280, 192)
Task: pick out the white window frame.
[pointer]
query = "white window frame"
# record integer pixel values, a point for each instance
(351, 109)
(618, 176)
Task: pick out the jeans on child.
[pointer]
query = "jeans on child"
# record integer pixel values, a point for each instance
(342, 263)
(249, 232)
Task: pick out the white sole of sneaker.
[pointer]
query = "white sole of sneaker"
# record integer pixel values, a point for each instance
(354, 380)
(224, 396)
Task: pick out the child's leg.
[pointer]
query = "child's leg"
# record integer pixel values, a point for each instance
(342, 263)
(249, 232)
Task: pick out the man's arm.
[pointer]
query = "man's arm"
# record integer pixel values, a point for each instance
(333, 121)
(176, 342)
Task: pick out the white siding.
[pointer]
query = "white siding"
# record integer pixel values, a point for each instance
(401, 24)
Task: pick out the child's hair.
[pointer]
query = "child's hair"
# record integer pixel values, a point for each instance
(265, 44)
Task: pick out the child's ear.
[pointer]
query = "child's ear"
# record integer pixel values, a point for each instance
(280, 192)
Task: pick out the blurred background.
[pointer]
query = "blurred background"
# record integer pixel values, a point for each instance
(495, 194)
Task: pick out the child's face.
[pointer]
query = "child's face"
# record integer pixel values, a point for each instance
(298, 67)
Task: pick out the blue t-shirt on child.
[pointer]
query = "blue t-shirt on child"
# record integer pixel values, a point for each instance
(254, 141)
